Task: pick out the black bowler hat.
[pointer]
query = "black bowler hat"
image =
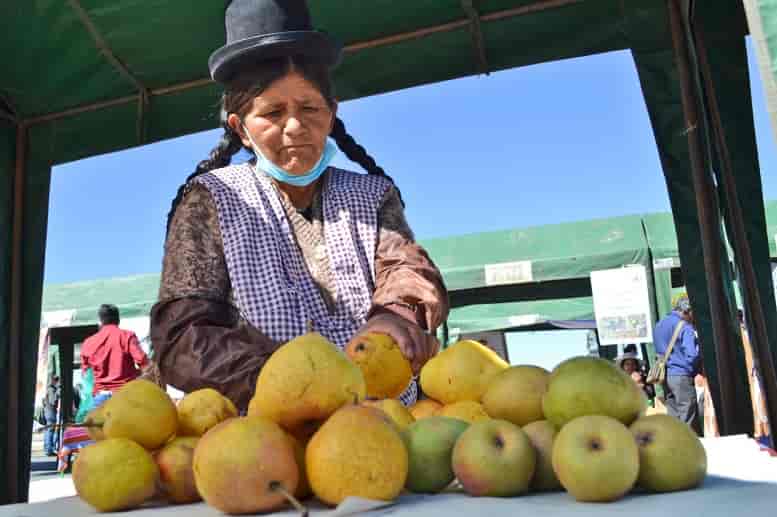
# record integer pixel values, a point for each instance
(264, 29)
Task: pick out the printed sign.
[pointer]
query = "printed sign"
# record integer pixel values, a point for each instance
(508, 273)
(622, 305)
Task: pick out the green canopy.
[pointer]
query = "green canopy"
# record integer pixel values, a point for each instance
(73, 69)
(133, 295)
(521, 262)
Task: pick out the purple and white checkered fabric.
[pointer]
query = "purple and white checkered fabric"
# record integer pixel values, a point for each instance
(270, 282)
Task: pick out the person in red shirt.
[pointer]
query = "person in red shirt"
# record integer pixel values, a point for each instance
(113, 354)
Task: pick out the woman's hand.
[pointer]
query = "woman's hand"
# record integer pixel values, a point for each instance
(416, 345)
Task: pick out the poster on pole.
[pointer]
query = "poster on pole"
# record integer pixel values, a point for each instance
(622, 305)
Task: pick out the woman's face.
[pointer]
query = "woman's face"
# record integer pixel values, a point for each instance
(629, 365)
(289, 122)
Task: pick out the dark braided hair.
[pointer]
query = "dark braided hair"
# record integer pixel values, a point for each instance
(357, 153)
(238, 98)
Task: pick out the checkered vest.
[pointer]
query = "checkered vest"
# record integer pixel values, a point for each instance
(270, 282)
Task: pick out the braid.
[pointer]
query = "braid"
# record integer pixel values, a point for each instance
(220, 156)
(357, 153)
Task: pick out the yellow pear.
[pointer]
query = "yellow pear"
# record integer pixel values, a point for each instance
(424, 408)
(395, 410)
(357, 452)
(387, 372)
(462, 371)
(115, 474)
(94, 422)
(516, 394)
(304, 382)
(175, 470)
(202, 409)
(142, 412)
(303, 490)
(467, 410)
(244, 464)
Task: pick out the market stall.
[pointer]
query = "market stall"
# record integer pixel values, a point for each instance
(138, 68)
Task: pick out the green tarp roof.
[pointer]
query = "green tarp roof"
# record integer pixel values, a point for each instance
(134, 295)
(555, 252)
(163, 45)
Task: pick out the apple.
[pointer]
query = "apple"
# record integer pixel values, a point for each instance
(494, 458)
(430, 444)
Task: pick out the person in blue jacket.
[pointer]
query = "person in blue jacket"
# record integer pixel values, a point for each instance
(683, 363)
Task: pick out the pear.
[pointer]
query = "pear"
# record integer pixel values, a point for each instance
(461, 372)
(202, 409)
(175, 470)
(395, 410)
(94, 422)
(516, 394)
(304, 382)
(142, 412)
(115, 474)
(671, 456)
(245, 465)
(591, 386)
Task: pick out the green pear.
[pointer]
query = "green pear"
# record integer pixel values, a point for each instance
(591, 386)
(494, 458)
(115, 474)
(596, 458)
(429, 445)
(142, 412)
(542, 434)
(671, 455)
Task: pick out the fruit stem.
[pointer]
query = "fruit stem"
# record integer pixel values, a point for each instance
(276, 486)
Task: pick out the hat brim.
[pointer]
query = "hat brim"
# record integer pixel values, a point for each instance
(225, 62)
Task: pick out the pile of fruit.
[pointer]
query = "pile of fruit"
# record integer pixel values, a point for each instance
(326, 424)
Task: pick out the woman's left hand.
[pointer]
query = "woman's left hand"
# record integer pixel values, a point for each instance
(416, 345)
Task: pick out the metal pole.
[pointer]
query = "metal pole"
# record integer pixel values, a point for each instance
(15, 331)
(709, 225)
(758, 337)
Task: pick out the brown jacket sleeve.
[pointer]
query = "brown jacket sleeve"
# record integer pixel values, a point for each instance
(198, 336)
(406, 280)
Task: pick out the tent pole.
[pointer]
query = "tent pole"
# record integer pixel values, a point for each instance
(14, 342)
(744, 258)
(708, 223)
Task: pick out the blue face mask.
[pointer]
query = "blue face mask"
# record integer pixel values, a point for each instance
(298, 180)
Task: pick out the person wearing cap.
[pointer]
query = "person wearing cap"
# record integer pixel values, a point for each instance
(260, 252)
(683, 363)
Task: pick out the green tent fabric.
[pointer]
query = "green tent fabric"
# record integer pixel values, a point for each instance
(133, 295)
(517, 316)
(552, 261)
(72, 69)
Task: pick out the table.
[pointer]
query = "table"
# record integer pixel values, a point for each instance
(742, 479)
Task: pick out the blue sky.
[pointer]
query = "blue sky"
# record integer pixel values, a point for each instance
(549, 143)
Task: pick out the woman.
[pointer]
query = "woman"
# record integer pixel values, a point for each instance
(630, 363)
(261, 252)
